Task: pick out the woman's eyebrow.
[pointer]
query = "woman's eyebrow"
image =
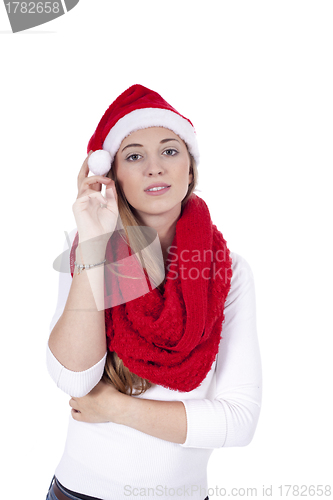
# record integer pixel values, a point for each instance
(166, 140)
(141, 146)
(130, 145)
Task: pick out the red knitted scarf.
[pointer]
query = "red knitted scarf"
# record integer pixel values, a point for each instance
(170, 338)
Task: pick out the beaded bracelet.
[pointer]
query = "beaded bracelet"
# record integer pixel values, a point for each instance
(81, 267)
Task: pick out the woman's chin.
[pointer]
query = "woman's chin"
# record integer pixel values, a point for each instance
(157, 207)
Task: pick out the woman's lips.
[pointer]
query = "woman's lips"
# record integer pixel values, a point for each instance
(158, 192)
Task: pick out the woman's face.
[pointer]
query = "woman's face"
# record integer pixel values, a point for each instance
(152, 156)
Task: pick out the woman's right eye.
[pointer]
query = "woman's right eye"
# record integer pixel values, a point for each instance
(133, 157)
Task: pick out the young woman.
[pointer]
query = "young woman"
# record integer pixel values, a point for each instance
(154, 335)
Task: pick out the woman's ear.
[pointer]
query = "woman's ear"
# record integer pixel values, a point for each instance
(190, 175)
(111, 172)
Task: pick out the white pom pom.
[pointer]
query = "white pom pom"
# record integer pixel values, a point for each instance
(99, 162)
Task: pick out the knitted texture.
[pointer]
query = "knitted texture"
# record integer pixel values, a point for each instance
(171, 339)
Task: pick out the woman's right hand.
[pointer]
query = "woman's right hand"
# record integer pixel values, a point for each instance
(92, 219)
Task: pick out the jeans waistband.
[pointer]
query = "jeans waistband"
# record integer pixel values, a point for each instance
(56, 489)
(71, 495)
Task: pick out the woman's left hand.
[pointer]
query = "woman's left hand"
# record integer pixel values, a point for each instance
(102, 404)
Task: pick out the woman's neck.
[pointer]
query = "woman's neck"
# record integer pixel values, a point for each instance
(164, 225)
(166, 236)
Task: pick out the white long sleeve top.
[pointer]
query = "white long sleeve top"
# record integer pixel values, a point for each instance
(111, 461)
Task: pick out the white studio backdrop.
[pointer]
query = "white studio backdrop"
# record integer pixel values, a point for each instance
(256, 79)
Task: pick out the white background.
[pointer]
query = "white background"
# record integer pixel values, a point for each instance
(256, 79)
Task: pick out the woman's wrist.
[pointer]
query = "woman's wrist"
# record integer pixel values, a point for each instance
(121, 408)
(90, 253)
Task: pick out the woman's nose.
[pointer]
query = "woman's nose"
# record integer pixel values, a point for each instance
(158, 171)
(154, 167)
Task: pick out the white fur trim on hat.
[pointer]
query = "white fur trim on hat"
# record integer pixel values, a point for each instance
(99, 162)
(151, 117)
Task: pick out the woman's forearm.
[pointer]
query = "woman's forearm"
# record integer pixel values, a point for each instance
(78, 339)
(162, 419)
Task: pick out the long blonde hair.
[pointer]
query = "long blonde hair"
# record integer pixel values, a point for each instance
(115, 371)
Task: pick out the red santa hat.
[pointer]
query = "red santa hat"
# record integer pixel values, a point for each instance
(136, 108)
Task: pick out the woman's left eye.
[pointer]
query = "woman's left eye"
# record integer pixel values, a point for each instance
(170, 152)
